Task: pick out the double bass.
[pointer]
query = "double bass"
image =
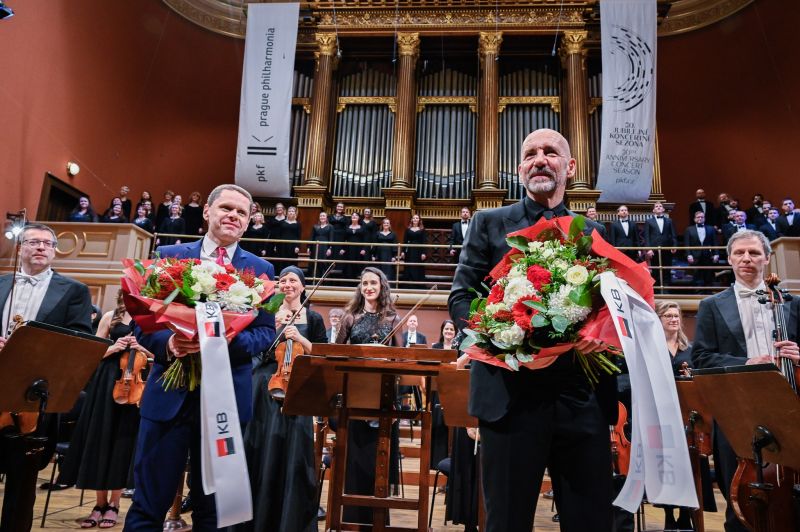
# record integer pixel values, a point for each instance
(763, 500)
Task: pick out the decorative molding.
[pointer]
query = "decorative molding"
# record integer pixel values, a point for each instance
(214, 15)
(408, 44)
(688, 15)
(553, 101)
(326, 43)
(488, 198)
(422, 101)
(489, 42)
(399, 197)
(344, 101)
(573, 41)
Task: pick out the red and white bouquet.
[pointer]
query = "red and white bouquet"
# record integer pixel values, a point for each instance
(544, 296)
(162, 293)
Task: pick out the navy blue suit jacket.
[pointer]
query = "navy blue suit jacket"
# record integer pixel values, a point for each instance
(160, 405)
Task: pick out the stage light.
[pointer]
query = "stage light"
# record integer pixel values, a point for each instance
(73, 169)
(5, 11)
(18, 221)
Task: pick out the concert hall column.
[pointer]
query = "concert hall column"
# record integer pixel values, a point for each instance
(573, 56)
(405, 122)
(321, 96)
(488, 113)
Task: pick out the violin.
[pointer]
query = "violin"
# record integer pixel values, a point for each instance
(620, 445)
(763, 500)
(130, 385)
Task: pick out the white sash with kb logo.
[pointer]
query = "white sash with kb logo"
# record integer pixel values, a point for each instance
(223, 462)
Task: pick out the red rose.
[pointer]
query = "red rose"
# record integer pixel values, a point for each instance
(523, 313)
(503, 315)
(539, 277)
(224, 281)
(496, 295)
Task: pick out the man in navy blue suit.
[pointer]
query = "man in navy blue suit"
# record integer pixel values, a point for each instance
(170, 425)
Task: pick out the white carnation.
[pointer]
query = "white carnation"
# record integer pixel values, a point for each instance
(206, 282)
(516, 289)
(560, 303)
(577, 275)
(513, 335)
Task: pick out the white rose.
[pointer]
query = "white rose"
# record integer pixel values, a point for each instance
(517, 288)
(547, 253)
(533, 246)
(577, 275)
(561, 264)
(513, 335)
(516, 272)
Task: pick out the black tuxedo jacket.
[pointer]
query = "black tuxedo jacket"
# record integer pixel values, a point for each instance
(618, 238)
(456, 238)
(654, 238)
(66, 303)
(711, 212)
(769, 231)
(728, 230)
(719, 337)
(420, 339)
(784, 229)
(494, 390)
(691, 239)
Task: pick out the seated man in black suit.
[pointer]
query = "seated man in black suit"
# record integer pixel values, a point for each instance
(659, 231)
(43, 295)
(412, 336)
(789, 222)
(701, 237)
(459, 231)
(733, 329)
(624, 233)
(550, 417)
(334, 316)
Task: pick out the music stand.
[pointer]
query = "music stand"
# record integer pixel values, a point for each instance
(697, 421)
(45, 367)
(760, 415)
(358, 382)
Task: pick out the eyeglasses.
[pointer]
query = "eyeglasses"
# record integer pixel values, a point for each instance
(670, 316)
(36, 243)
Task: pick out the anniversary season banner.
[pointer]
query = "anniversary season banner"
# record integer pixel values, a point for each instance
(628, 37)
(262, 151)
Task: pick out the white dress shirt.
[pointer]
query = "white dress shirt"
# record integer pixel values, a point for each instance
(756, 321)
(208, 250)
(29, 293)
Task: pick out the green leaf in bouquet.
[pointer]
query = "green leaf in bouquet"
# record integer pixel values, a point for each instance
(584, 245)
(485, 286)
(576, 227)
(518, 242)
(470, 338)
(539, 320)
(524, 357)
(581, 296)
(538, 305)
(512, 362)
(274, 302)
(473, 306)
(500, 345)
(171, 297)
(139, 267)
(560, 323)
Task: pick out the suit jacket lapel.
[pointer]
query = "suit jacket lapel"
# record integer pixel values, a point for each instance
(55, 292)
(730, 313)
(517, 218)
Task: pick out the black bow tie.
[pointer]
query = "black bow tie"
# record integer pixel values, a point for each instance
(700, 226)
(464, 223)
(659, 217)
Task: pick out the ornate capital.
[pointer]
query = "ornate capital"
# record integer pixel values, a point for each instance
(408, 44)
(326, 42)
(573, 41)
(489, 42)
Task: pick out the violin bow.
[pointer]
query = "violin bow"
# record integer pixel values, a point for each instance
(409, 314)
(297, 312)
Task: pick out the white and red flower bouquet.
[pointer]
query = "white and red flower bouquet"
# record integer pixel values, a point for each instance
(544, 296)
(161, 294)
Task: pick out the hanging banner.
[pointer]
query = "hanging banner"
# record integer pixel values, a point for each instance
(659, 453)
(627, 142)
(262, 151)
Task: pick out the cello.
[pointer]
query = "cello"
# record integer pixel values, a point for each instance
(762, 494)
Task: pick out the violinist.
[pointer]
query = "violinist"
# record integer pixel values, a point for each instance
(369, 317)
(101, 451)
(280, 448)
(41, 294)
(733, 329)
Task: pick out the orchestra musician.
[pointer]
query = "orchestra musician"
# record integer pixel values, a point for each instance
(170, 419)
(733, 329)
(44, 295)
(102, 445)
(280, 448)
(550, 417)
(369, 317)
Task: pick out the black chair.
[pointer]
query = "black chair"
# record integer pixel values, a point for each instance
(442, 467)
(61, 452)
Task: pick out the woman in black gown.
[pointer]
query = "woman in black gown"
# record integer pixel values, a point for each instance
(82, 212)
(290, 230)
(357, 252)
(275, 231)
(370, 225)
(163, 210)
(387, 253)
(439, 439)
(369, 317)
(193, 214)
(114, 215)
(339, 221)
(322, 232)
(174, 225)
(415, 234)
(280, 448)
(142, 221)
(101, 451)
(256, 229)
